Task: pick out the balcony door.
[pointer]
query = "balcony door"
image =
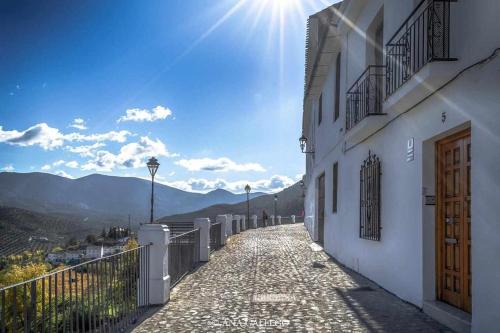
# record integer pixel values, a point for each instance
(321, 209)
(454, 220)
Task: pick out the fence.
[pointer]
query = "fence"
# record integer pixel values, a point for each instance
(183, 255)
(364, 98)
(102, 295)
(234, 226)
(215, 236)
(180, 227)
(422, 38)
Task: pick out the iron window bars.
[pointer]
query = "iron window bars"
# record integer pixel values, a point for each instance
(423, 37)
(183, 255)
(369, 208)
(365, 96)
(102, 295)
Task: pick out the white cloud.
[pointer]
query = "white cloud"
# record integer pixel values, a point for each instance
(79, 123)
(58, 163)
(40, 134)
(8, 168)
(85, 151)
(275, 183)
(140, 115)
(132, 155)
(72, 164)
(49, 138)
(46, 167)
(219, 164)
(63, 174)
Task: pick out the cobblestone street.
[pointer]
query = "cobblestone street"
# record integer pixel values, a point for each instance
(272, 279)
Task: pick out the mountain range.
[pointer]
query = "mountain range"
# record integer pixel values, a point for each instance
(290, 202)
(101, 197)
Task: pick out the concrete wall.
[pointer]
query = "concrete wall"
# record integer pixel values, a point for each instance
(403, 261)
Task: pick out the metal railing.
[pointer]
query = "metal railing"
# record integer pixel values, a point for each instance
(215, 236)
(234, 226)
(179, 227)
(101, 295)
(365, 96)
(183, 255)
(422, 38)
(261, 223)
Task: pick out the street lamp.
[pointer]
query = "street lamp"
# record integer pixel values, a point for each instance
(153, 167)
(248, 189)
(303, 145)
(275, 204)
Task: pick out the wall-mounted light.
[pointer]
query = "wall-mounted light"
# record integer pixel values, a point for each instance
(303, 145)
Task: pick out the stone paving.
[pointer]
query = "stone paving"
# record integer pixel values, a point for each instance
(272, 280)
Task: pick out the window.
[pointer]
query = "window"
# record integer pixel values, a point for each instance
(337, 89)
(369, 212)
(320, 109)
(335, 186)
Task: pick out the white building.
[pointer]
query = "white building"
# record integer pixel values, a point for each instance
(398, 93)
(94, 251)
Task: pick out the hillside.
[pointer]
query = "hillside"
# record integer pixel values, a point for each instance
(100, 197)
(22, 230)
(290, 202)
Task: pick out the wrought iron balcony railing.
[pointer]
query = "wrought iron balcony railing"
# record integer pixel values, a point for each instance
(365, 96)
(422, 38)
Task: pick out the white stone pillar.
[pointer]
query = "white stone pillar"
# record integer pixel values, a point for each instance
(293, 218)
(272, 219)
(229, 225)
(243, 222)
(222, 220)
(254, 221)
(279, 220)
(203, 223)
(157, 236)
(237, 218)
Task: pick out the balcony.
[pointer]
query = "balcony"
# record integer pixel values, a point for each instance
(424, 37)
(365, 96)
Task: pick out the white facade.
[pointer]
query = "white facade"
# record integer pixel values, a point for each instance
(404, 260)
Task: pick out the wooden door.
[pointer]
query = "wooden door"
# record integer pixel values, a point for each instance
(321, 208)
(453, 240)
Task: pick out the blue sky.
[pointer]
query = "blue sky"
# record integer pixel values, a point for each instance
(212, 88)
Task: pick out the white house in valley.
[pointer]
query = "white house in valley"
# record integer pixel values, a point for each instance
(401, 130)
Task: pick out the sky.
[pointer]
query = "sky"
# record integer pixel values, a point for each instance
(212, 88)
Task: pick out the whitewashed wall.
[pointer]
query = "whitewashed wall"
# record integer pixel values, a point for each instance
(403, 261)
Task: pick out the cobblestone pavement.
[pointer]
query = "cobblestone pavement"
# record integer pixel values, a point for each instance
(272, 280)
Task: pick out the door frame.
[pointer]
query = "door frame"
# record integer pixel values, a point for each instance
(439, 223)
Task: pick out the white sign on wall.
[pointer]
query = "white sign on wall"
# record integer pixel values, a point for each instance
(410, 149)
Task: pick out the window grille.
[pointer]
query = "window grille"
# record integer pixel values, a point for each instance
(369, 210)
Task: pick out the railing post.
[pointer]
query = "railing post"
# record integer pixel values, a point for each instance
(238, 219)
(222, 219)
(279, 220)
(293, 218)
(254, 221)
(203, 223)
(272, 220)
(157, 236)
(229, 224)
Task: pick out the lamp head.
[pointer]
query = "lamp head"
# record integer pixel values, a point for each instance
(153, 166)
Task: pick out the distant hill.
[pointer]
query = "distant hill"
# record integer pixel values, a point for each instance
(290, 202)
(100, 197)
(22, 230)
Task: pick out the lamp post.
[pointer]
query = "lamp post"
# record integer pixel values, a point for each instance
(275, 205)
(153, 167)
(248, 189)
(303, 145)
